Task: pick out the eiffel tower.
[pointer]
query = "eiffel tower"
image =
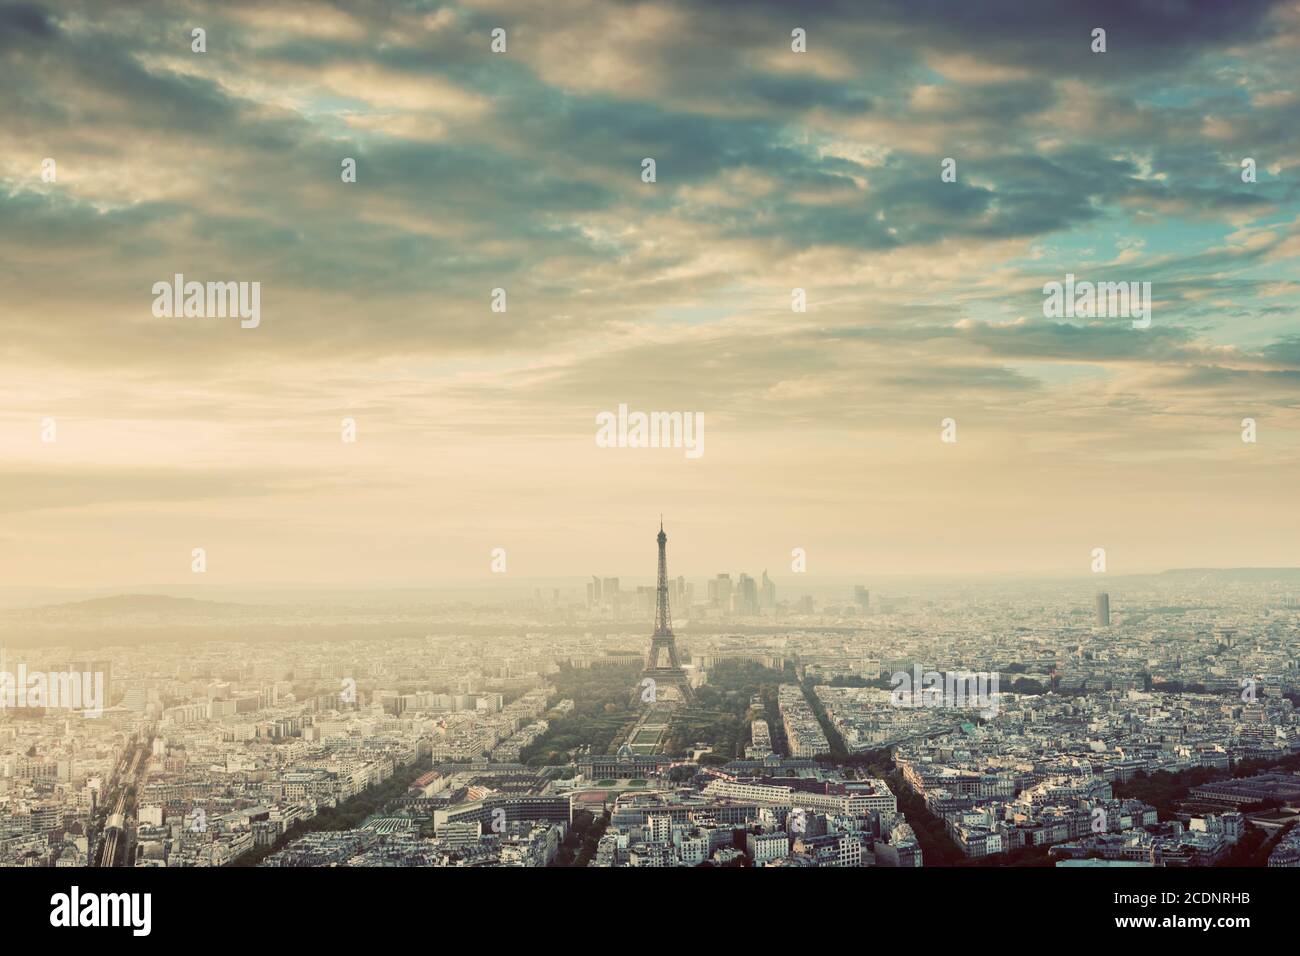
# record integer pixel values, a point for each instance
(668, 676)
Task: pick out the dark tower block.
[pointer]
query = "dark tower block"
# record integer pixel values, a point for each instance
(662, 664)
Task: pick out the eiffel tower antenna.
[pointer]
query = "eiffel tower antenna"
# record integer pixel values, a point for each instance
(663, 617)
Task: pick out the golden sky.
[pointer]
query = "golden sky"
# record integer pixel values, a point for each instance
(522, 170)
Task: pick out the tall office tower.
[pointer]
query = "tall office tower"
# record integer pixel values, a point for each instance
(594, 590)
(1103, 609)
(746, 596)
(609, 590)
(645, 600)
(685, 597)
(662, 664)
(861, 597)
(720, 592)
(767, 593)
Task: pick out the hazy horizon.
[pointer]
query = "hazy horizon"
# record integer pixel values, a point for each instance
(789, 585)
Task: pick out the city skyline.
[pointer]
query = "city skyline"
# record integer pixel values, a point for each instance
(489, 590)
(493, 588)
(355, 351)
(1023, 727)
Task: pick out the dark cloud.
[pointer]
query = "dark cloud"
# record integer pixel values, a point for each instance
(23, 23)
(1143, 35)
(537, 186)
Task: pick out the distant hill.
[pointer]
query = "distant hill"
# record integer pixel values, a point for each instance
(144, 607)
(1228, 575)
(141, 603)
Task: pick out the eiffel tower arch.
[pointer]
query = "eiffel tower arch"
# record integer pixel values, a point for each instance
(662, 665)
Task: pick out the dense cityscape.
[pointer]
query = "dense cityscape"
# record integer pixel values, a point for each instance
(1152, 724)
(653, 434)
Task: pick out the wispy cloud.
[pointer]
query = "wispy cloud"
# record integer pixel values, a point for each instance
(521, 171)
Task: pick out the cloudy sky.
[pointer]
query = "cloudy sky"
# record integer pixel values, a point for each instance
(522, 170)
